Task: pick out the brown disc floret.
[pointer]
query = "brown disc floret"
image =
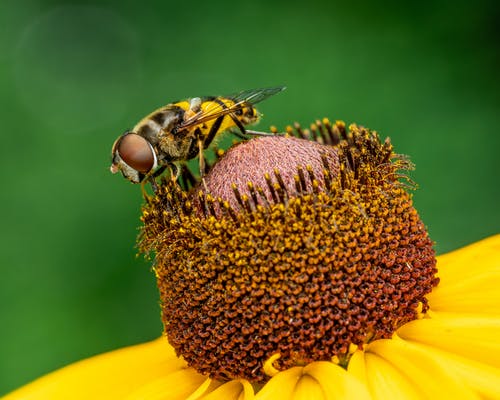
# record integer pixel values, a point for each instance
(291, 246)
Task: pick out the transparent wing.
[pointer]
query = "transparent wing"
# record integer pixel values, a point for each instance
(251, 97)
(254, 96)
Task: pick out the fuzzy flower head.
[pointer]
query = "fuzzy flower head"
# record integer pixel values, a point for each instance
(293, 249)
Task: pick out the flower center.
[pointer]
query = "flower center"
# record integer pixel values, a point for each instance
(293, 247)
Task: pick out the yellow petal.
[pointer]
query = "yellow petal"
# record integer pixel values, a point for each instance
(482, 378)
(307, 388)
(382, 379)
(177, 385)
(208, 386)
(465, 260)
(113, 375)
(469, 279)
(336, 382)
(357, 367)
(474, 337)
(316, 381)
(420, 368)
(239, 389)
(281, 385)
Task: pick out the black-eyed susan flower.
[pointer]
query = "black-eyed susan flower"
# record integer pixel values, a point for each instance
(299, 269)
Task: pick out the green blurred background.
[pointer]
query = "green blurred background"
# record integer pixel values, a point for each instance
(75, 76)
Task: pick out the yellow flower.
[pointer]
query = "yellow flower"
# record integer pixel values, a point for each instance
(254, 297)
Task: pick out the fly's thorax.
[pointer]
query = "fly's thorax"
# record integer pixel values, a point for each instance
(158, 129)
(163, 120)
(179, 145)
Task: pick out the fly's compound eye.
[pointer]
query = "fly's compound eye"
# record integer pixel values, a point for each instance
(136, 152)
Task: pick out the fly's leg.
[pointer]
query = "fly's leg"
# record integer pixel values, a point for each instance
(175, 172)
(202, 163)
(159, 171)
(153, 183)
(257, 133)
(241, 132)
(143, 190)
(152, 178)
(154, 186)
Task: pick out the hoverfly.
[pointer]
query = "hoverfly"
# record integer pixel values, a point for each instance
(181, 131)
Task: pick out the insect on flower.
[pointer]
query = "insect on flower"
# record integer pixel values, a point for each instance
(180, 131)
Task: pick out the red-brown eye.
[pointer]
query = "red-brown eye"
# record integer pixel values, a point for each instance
(136, 152)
